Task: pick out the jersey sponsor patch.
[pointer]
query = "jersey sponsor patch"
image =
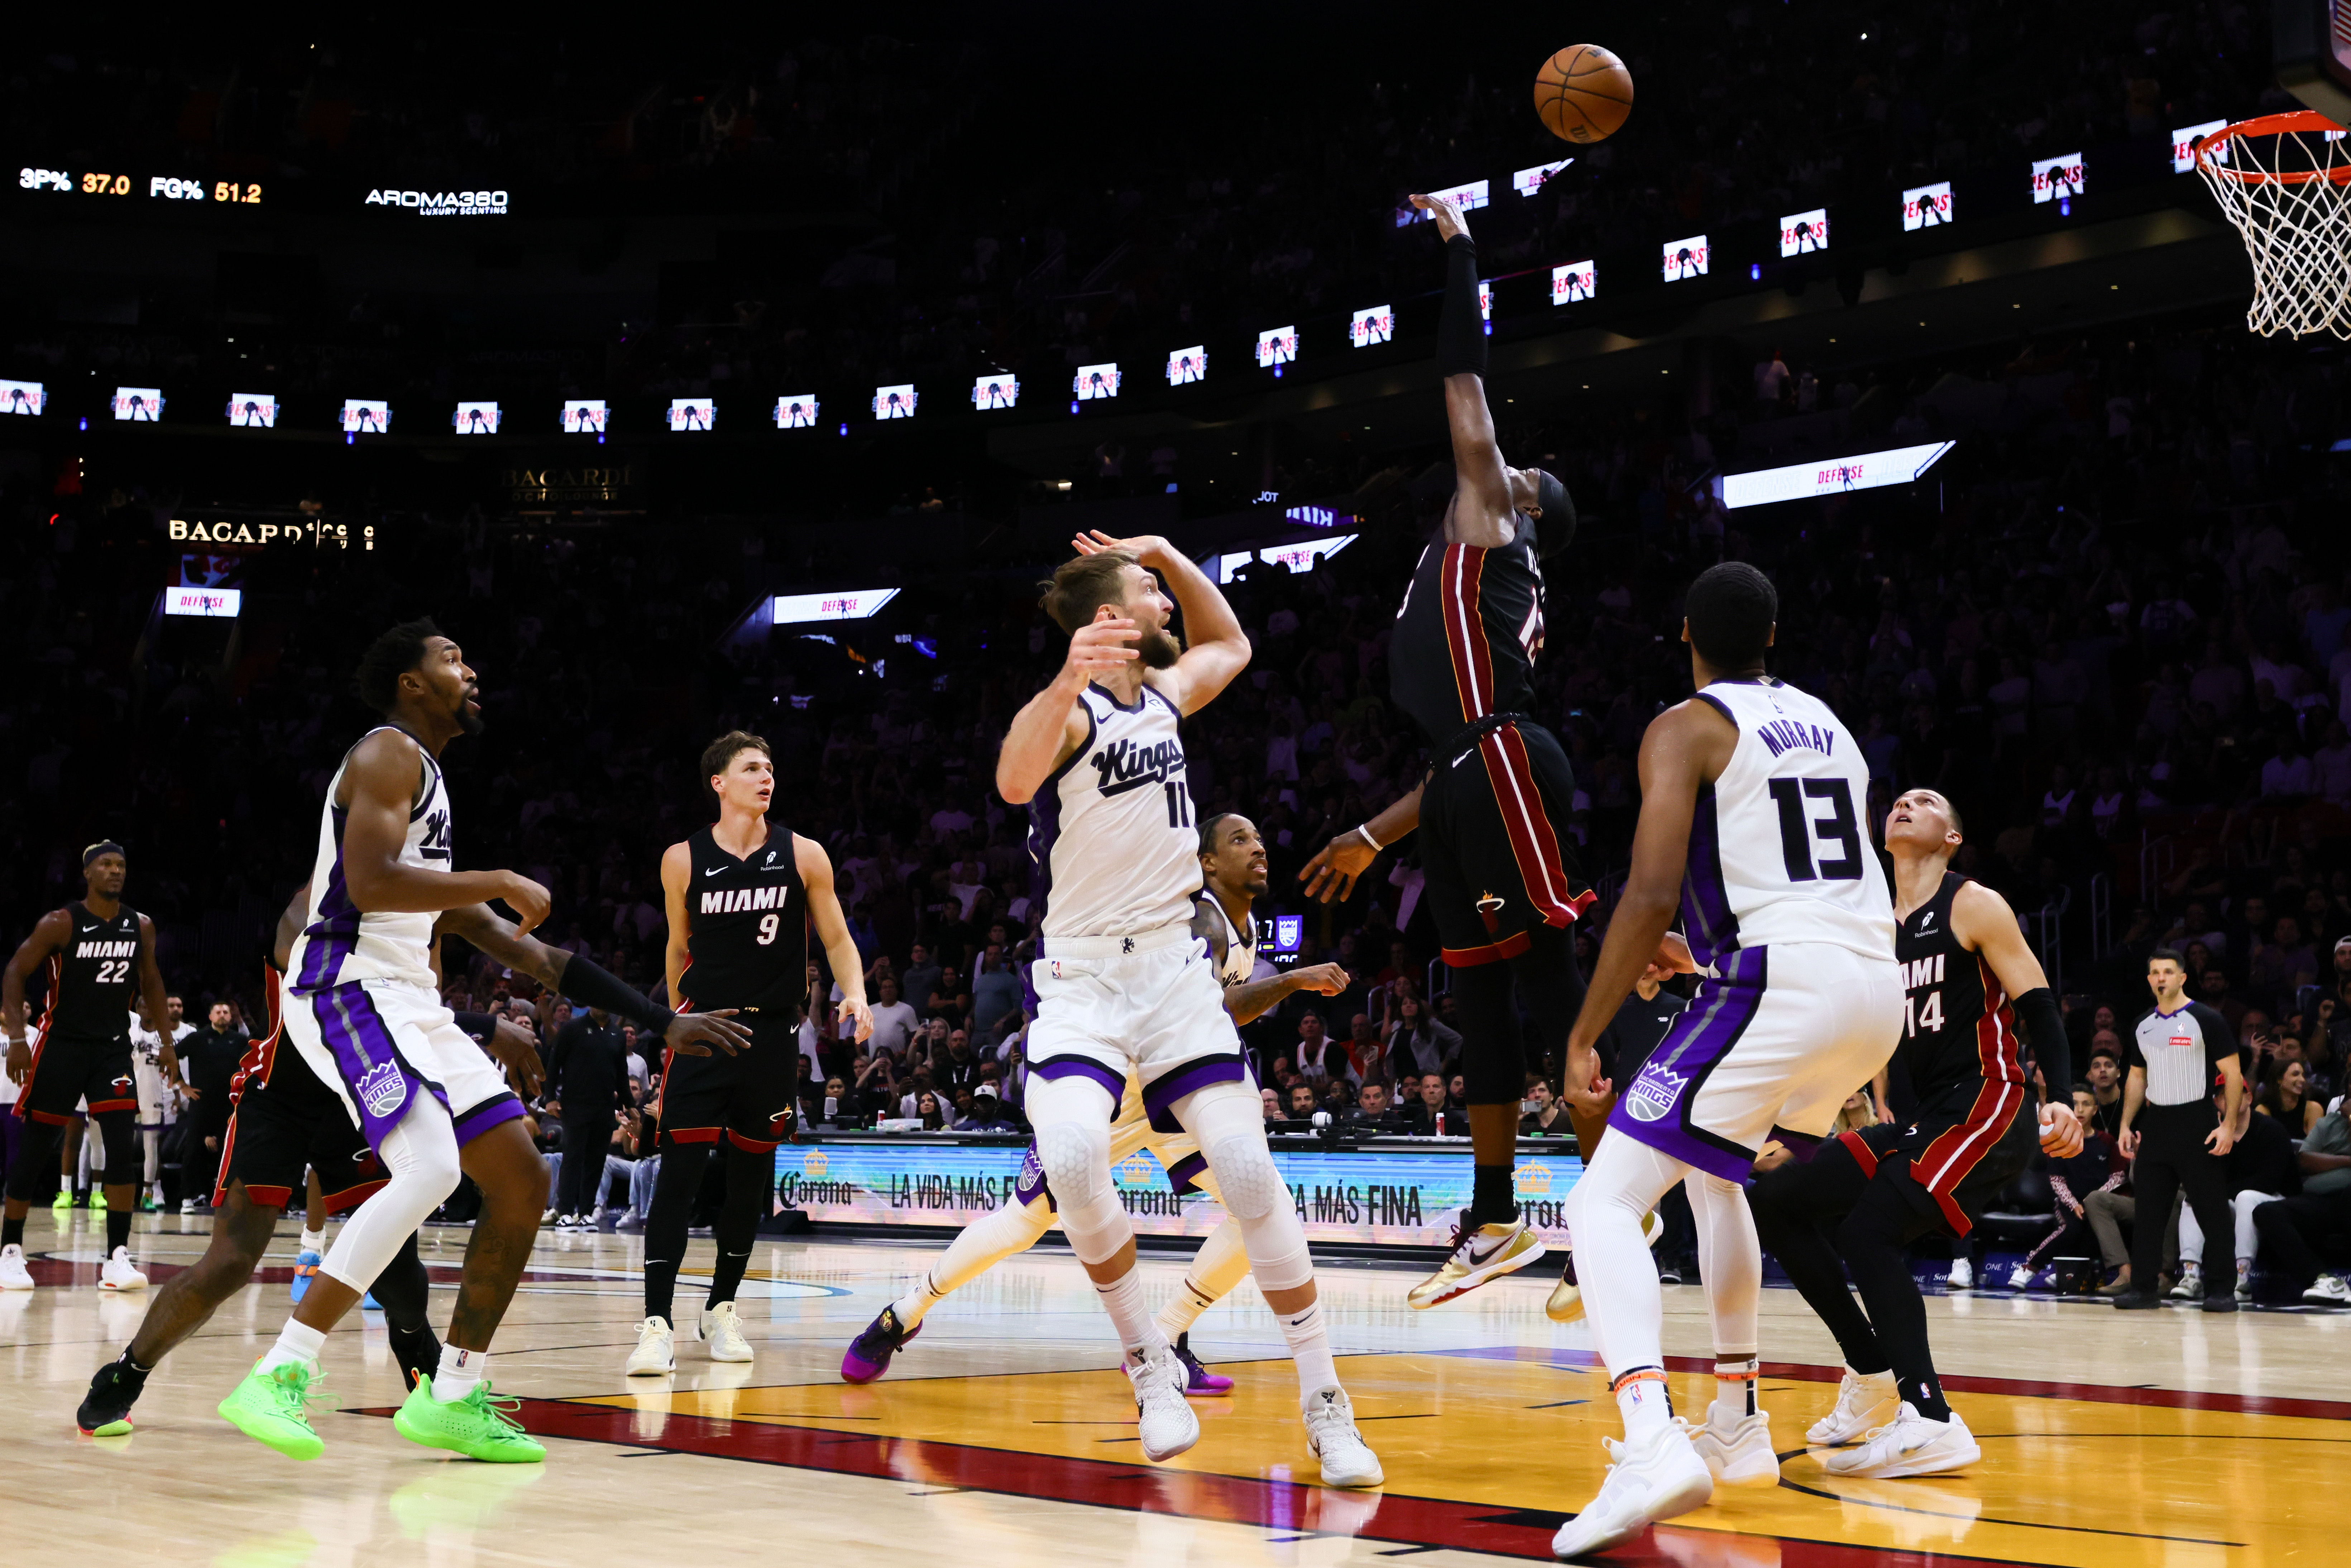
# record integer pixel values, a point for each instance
(1654, 1094)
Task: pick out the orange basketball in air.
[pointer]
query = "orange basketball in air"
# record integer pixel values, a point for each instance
(1583, 93)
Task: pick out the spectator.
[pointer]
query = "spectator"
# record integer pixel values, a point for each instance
(926, 1107)
(1425, 1107)
(2105, 1070)
(2097, 1169)
(894, 1022)
(1543, 1115)
(1319, 1056)
(2283, 1101)
(1417, 1045)
(987, 1114)
(2292, 1228)
(1372, 1113)
(1303, 1104)
(921, 977)
(1271, 1100)
(2261, 1170)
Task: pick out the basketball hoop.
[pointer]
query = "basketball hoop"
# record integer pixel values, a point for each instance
(2284, 181)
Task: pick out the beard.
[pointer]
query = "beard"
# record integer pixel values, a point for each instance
(1160, 648)
(468, 719)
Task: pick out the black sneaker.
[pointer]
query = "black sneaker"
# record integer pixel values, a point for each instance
(417, 1353)
(1669, 1274)
(2137, 1302)
(106, 1410)
(2223, 1302)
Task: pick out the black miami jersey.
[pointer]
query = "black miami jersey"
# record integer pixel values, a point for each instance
(1467, 633)
(94, 975)
(1958, 1027)
(747, 942)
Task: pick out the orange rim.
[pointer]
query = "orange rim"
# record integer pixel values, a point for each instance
(2302, 120)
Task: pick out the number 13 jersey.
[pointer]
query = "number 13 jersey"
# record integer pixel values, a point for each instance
(1111, 840)
(747, 926)
(1778, 851)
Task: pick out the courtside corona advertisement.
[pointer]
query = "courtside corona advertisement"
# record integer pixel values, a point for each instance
(1395, 1197)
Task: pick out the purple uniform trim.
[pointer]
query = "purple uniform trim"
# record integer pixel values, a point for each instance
(485, 1116)
(1029, 1185)
(1159, 1096)
(381, 1082)
(1182, 1174)
(1055, 1067)
(333, 936)
(1707, 919)
(1655, 1109)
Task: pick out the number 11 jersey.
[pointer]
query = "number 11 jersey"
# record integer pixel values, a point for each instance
(746, 932)
(1112, 838)
(1778, 851)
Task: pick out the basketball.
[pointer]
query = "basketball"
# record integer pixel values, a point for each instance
(1583, 93)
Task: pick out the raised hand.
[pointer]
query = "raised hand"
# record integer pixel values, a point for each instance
(1446, 214)
(1331, 874)
(692, 1034)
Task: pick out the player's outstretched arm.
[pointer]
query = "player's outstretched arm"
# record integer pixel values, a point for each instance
(586, 983)
(1215, 648)
(1482, 511)
(1051, 727)
(840, 948)
(1333, 871)
(49, 935)
(1687, 746)
(1982, 922)
(380, 784)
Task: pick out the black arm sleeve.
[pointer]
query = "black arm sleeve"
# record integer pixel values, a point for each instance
(478, 1027)
(1460, 330)
(2044, 1030)
(591, 984)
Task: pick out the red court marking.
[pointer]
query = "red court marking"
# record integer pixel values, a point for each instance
(2095, 1393)
(1233, 1499)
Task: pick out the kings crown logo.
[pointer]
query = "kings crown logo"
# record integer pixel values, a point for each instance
(1654, 1093)
(382, 1089)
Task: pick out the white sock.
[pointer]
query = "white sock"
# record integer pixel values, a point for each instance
(1180, 1314)
(459, 1371)
(1642, 1401)
(1308, 1338)
(1138, 1330)
(1010, 1228)
(1734, 1389)
(296, 1343)
(911, 1306)
(314, 1241)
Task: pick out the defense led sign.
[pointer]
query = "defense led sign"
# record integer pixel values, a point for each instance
(223, 604)
(845, 604)
(1830, 476)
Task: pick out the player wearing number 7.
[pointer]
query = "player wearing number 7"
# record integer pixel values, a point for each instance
(1749, 820)
(741, 894)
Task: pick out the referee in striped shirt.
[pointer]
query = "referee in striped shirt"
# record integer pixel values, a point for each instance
(2171, 1128)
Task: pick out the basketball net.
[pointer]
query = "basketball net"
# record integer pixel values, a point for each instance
(2284, 182)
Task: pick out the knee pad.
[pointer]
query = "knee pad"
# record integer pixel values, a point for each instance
(118, 1134)
(1260, 1202)
(1247, 1183)
(1076, 1159)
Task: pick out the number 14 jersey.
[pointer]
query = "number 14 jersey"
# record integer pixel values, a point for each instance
(1778, 849)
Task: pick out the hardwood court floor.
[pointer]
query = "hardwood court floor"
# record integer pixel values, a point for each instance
(1005, 1434)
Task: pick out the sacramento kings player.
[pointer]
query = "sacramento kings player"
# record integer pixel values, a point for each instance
(80, 1052)
(1233, 863)
(1750, 796)
(1125, 987)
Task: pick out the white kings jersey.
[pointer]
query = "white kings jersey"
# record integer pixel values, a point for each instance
(1778, 849)
(339, 945)
(1111, 834)
(1240, 946)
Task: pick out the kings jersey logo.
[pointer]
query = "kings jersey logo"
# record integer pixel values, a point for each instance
(1654, 1094)
(1124, 766)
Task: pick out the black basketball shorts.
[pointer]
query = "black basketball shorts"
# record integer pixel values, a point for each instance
(747, 1096)
(1493, 832)
(287, 1124)
(69, 1069)
(1957, 1153)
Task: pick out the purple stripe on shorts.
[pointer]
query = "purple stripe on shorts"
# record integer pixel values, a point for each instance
(1656, 1108)
(380, 1084)
(1159, 1096)
(1080, 1067)
(485, 1116)
(1181, 1174)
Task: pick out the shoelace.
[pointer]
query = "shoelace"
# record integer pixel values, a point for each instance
(498, 1409)
(295, 1396)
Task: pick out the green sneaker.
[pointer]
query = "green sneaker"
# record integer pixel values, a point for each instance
(63, 1200)
(96, 1199)
(476, 1425)
(272, 1407)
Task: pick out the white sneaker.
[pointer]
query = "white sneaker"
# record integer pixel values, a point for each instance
(1166, 1422)
(548, 1217)
(14, 1275)
(2020, 1277)
(722, 1330)
(1962, 1276)
(118, 1273)
(2328, 1291)
(1347, 1459)
(2191, 1284)
(2245, 1281)
(656, 1350)
(1909, 1445)
(1862, 1402)
(1660, 1480)
(187, 1206)
(1738, 1455)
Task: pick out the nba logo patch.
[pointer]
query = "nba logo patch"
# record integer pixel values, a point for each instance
(1653, 1093)
(381, 1089)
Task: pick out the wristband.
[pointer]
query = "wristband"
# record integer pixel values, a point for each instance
(588, 983)
(1364, 829)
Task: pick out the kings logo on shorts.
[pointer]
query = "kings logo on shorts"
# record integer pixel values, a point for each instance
(382, 1088)
(1653, 1093)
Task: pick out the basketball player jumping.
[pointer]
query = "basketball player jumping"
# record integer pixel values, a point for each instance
(1233, 864)
(364, 1012)
(81, 1051)
(1866, 1195)
(741, 895)
(1123, 984)
(285, 1120)
(1749, 798)
(1499, 884)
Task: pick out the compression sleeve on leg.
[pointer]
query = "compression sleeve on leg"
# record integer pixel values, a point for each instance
(1730, 1259)
(1217, 1270)
(1461, 325)
(1009, 1230)
(1604, 1209)
(421, 1153)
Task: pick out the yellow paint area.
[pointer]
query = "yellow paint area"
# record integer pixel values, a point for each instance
(2061, 1481)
